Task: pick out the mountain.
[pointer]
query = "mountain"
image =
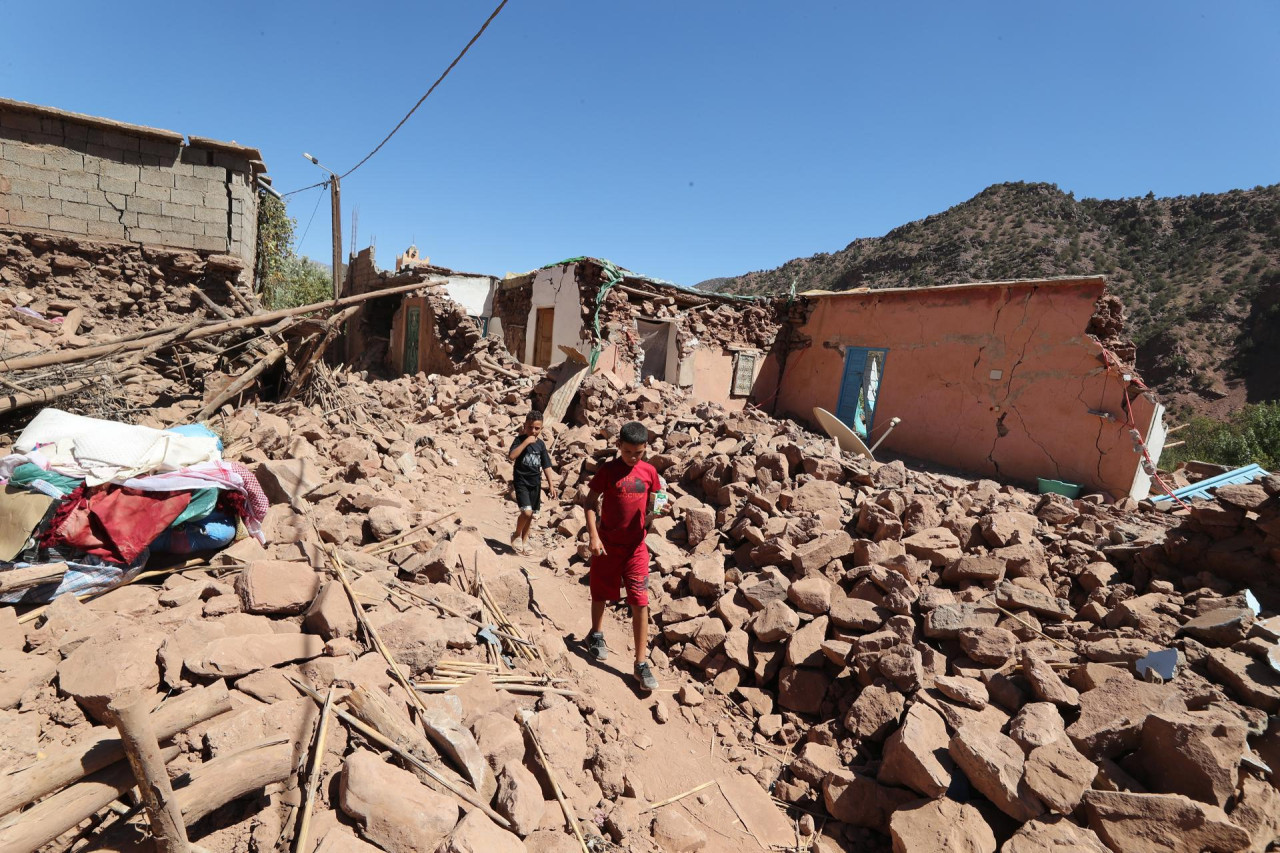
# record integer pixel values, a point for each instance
(1199, 275)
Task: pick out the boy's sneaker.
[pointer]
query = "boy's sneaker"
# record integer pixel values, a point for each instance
(644, 674)
(595, 643)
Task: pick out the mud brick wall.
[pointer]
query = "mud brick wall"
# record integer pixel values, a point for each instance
(96, 178)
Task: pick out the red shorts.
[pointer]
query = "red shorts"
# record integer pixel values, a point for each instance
(618, 567)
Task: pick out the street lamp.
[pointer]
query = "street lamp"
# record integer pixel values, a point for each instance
(335, 196)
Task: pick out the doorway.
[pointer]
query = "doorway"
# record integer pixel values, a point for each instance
(653, 341)
(412, 330)
(543, 332)
(860, 388)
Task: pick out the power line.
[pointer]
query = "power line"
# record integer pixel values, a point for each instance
(439, 80)
(319, 197)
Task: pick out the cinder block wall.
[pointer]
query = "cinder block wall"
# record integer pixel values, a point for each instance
(136, 185)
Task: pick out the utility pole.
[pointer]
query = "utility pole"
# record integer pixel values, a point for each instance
(335, 197)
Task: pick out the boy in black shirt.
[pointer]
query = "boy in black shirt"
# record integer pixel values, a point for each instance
(530, 461)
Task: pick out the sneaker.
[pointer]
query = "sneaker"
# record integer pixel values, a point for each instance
(595, 643)
(644, 674)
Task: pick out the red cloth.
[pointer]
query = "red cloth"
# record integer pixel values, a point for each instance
(621, 567)
(115, 523)
(625, 501)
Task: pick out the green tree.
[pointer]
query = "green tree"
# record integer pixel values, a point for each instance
(284, 279)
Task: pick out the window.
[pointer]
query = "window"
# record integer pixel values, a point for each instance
(744, 374)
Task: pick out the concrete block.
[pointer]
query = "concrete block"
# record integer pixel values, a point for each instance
(10, 202)
(191, 182)
(81, 179)
(189, 197)
(156, 177)
(104, 152)
(216, 200)
(64, 159)
(146, 235)
(211, 244)
(69, 193)
(211, 215)
(4, 216)
(188, 226)
(36, 137)
(110, 230)
(92, 165)
(116, 185)
(68, 224)
(80, 210)
(161, 148)
(96, 197)
(75, 132)
(124, 141)
(129, 219)
(181, 169)
(41, 204)
(123, 171)
(26, 188)
(217, 229)
(178, 211)
(28, 219)
(210, 173)
(157, 193)
(182, 241)
(154, 222)
(36, 173)
(115, 200)
(48, 124)
(138, 204)
(17, 152)
(19, 121)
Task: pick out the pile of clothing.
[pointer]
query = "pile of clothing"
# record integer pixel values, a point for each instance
(102, 497)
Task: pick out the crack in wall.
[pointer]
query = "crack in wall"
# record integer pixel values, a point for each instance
(1057, 468)
(1097, 440)
(120, 217)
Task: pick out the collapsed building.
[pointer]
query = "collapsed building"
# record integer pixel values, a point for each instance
(637, 328)
(1010, 380)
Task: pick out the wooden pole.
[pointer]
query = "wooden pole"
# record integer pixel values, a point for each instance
(143, 751)
(379, 546)
(53, 392)
(51, 817)
(669, 800)
(335, 198)
(205, 331)
(102, 747)
(243, 381)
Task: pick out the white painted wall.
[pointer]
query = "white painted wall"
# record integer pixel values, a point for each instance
(556, 288)
(1156, 434)
(473, 293)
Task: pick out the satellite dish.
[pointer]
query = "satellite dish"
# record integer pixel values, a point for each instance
(845, 437)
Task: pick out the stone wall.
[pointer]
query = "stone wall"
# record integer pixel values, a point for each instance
(96, 178)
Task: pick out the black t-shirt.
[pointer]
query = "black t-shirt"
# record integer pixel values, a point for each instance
(529, 464)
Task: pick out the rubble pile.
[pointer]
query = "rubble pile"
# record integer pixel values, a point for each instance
(111, 287)
(240, 634)
(956, 664)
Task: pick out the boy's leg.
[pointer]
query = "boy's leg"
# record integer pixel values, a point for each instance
(597, 616)
(640, 631)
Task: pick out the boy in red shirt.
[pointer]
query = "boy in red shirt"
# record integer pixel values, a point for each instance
(621, 496)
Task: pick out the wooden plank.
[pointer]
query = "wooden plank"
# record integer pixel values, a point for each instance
(566, 387)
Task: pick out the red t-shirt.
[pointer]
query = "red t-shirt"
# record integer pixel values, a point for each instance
(625, 500)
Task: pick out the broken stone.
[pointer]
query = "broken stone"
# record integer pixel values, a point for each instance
(1059, 775)
(519, 798)
(805, 646)
(21, 672)
(938, 545)
(1046, 684)
(974, 567)
(802, 690)
(942, 826)
(1008, 528)
(330, 614)
(394, 810)
(966, 691)
(1252, 681)
(673, 833)
(416, 640)
(903, 665)
(1147, 823)
(277, 587)
(1196, 753)
(856, 614)
(811, 594)
(994, 764)
(1112, 716)
(289, 480)
(862, 801)
(1035, 725)
(988, 646)
(915, 756)
(96, 673)
(1222, 627)
(1053, 835)
(231, 657)
(875, 713)
(476, 833)
(775, 622)
(707, 576)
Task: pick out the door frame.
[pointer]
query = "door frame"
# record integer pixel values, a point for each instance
(855, 364)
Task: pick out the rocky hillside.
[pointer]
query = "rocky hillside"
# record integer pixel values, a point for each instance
(1199, 275)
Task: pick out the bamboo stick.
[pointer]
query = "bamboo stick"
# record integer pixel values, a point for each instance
(669, 800)
(445, 608)
(44, 395)
(313, 779)
(240, 383)
(565, 806)
(375, 736)
(510, 688)
(412, 530)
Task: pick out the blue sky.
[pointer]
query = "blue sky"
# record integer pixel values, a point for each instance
(685, 139)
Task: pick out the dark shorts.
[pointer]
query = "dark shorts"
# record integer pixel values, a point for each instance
(623, 567)
(528, 497)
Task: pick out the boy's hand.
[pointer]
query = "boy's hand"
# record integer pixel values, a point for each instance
(597, 547)
(551, 490)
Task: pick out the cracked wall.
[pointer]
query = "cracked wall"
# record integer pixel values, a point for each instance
(999, 379)
(104, 180)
